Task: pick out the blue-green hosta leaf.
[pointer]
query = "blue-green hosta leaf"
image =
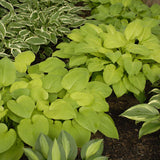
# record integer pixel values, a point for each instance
(18, 85)
(23, 60)
(77, 60)
(149, 127)
(50, 64)
(129, 86)
(92, 149)
(15, 152)
(76, 79)
(60, 109)
(114, 40)
(107, 126)
(132, 67)
(99, 104)
(36, 41)
(88, 119)
(139, 81)
(68, 144)
(22, 107)
(134, 30)
(119, 88)
(152, 73)
(140, 112)
(52, 81)
(29, 129)
(100, 88)
(96, 64)
(7, 72)
(138, 49)
(7, 137)
(112, 74)
(113, 56)
(2, 29)
(80, 134)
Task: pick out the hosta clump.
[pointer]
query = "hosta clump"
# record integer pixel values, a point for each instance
(64, 147)
(47, 98)
(123, 60)
(147, 113)
(35, 24)
(120, 12)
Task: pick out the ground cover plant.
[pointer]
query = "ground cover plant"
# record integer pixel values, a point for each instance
(47, 98)
(36, 25)
(123, 60)
(147, 113)
(64, 147)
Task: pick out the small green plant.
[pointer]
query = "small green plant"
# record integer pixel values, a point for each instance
(36, 25)
(123, 60)
(147, 113)
(64, 147)
(47, 98)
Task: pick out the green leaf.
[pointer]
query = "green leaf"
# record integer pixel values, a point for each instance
(23, 106)
(18, 85)
(7, 5)
(51, 64)
(138, 81)
(7, 137)
(7, 72)
(113, 56)
(77, 60)
(101, 158)
(151, 72)
(100, 88)
(76, 35)
(76, 79)
(52, 81)
(140, 112)
(119, 88)
(29, 129)
(88, 119)
(149, 127)
(107, 126)
(68, 144)
(80, 134)
(15, 152)
(2, 29)
(112, 74)
(132, 67)
(36, 41)
(134, 30)
(82, 98)
(60, 109)
(23, 60)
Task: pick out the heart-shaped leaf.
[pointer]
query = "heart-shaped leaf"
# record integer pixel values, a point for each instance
(23, 60)
(113, 56)
(7, 137)
(18, 85)
(76, 79)
(80, 134)
(132, 67)
(60, 109)
(22, 107)
(112, 74)
(7, 72)
(29, 129)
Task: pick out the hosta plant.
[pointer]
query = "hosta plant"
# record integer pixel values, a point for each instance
(36, 25)
(122, 60)
(64, 147)
(120, 12)
(147, 113)
(47, 98)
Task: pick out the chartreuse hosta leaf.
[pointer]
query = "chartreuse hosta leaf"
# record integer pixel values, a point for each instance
(60, 109)
(80, 134)
(23, 60)
(15, 152)
(7, 72)
(7, 138)
(29, 129)
(76, 79)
